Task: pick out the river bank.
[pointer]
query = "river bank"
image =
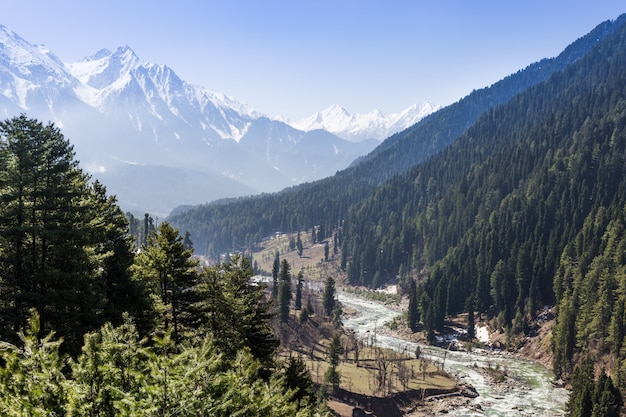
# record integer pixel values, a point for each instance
(508, 384)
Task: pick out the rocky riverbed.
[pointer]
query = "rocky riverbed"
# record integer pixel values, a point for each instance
(507, 384)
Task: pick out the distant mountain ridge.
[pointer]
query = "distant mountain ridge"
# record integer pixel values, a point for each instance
(131, 118)
(361, 126)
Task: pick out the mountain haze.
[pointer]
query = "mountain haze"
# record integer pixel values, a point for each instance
(357, 127)
(141, 129)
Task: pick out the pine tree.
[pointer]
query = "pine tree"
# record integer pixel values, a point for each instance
(148, 228)
(187, 241)
(321, 233)
(298, 378)
(299, 246)
(329, 296)
(32, 382)
(284, 291)
(116, 255)
(110, 368)
(471, 327)
(167, 267)
(236, 311)
(275, 272)
(332, 376)
(413, 312)
(62, 240)
(580, 401)
(299, 284)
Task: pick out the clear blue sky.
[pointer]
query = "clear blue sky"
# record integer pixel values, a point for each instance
(296, 57)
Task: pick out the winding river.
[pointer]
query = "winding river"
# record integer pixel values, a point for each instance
(529, 391)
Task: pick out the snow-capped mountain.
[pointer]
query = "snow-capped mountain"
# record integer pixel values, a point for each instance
(109, 79)
(360, 126)
(31, 77)
(157, 141)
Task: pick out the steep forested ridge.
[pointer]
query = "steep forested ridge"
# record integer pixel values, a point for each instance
(241, 223)
(525, 209)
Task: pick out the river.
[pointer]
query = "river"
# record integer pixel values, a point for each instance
(529, 391)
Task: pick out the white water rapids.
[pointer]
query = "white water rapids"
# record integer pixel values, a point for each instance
(530, 394)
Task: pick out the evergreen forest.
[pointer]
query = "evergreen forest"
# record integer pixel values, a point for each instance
(240, 224)
(92, 324)
(504, 204)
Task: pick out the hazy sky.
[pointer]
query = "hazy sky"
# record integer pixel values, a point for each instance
(296, 57)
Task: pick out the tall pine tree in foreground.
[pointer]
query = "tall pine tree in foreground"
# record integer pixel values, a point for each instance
(62, 240)
(167, 267)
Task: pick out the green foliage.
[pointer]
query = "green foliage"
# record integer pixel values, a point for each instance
(235, 310)
(299, 285)
(589, 398)
(275, 272)
(299, 246)
(524, 209)
(64, 249)
(413, 312)
(32, 382)
(329, 296)
(166, 266)
(66, 252)
(119, 374)
(332, 377)
(284, 291)
(471, 327)
(112, 364)
(298, 379)
(521, 209)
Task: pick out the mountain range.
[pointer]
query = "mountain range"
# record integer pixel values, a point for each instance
(157, 141)
(363, 126)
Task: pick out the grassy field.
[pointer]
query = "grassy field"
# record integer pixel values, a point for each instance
(364, 369)
(378, 373)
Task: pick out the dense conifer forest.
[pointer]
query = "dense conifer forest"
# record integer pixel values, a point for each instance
(92, 326)
(242, 223)
(524, 209)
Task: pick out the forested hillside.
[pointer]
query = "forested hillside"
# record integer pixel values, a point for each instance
(90, 326)
(525, 209)
(227, 225)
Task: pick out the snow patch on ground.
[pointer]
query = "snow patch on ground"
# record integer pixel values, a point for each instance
(391, 289)
(482, 334)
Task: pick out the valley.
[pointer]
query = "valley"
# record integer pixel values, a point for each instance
(472, 263)
(507, 383)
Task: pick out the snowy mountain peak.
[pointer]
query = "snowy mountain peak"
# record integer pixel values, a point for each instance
(360, 126)
(26, 70)
(19, 55)
(104, 68)
(8, 36)
(118, 108)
